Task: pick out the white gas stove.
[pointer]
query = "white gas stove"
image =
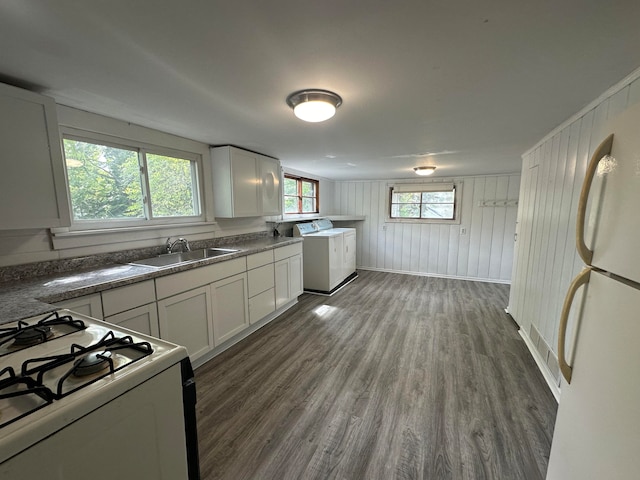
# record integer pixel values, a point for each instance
(76, 391)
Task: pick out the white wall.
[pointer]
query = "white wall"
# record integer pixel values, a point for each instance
(26, 246)
(547, 261)
(484, 253)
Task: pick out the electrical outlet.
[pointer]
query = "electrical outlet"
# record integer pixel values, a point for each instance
(463, 230)
(384, 228)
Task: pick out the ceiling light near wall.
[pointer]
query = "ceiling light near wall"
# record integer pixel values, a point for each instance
(314, 105)
(423, 171)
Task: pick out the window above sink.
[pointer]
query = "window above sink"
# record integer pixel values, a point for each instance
(117, 183)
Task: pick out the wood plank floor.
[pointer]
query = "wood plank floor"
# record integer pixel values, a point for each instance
(394, 377)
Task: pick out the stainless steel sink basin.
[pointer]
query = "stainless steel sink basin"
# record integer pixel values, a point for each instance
(169, 259)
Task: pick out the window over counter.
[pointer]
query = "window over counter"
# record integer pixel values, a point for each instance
(300, 195)
(115, 183)
(428, 203)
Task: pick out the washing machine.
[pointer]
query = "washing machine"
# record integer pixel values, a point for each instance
(328, 255)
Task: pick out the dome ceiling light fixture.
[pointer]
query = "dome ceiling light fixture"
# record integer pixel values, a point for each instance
(423, 171)
(314, 105)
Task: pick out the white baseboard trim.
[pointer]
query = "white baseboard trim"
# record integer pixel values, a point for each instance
(542, 366)
(421, 274)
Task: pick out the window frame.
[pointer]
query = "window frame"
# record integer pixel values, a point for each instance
(427, 187)
(142, 150)
(299, 196)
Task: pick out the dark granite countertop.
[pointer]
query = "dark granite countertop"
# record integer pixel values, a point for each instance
(32, 297)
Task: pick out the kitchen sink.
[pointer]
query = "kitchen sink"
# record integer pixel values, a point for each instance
(168, 259)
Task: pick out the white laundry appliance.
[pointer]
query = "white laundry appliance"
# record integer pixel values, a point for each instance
(329, 255)
(597, 431)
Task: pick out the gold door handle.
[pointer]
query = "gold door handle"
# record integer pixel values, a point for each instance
(603, 149)
(581, 279)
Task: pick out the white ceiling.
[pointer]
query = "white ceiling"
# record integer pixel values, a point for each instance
(466, 85)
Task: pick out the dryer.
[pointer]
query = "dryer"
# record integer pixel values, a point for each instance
(329, 258)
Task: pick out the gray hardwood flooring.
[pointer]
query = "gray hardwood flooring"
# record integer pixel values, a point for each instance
(394, 377)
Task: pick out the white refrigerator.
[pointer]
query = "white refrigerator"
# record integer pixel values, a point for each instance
(597, 431)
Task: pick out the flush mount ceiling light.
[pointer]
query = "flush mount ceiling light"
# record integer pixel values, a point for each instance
(424, 170)
(314, 105)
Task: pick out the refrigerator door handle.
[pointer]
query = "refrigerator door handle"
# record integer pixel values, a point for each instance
(603, 149)
(580, 280)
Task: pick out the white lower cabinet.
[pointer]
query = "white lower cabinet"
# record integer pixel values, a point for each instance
(230, 310)
(186, 319)
(90, 305)
(288, 274)
(142, 319)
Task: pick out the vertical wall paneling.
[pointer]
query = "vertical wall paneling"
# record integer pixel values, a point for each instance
(475, 232)
(508, 241)
(468, 192)
(484, 251)
(486, 234)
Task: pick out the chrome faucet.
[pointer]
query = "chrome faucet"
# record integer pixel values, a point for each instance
(181, 241)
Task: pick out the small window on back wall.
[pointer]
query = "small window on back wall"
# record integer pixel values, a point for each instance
(423, 203)
(300, 195)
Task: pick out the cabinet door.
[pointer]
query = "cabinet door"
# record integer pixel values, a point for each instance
(295, 276)
(230, 307)
(283, 282)
(90, 305)
(271, 187)
(185, 319)
(246, 190)
(261, 305)
(142, 319)
(33, 191)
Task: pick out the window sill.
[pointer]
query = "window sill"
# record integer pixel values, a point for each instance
(147, 235)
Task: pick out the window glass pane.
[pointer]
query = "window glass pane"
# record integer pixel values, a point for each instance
(104, 182)
(308, 205)
(290, 204)
(290, 186)
(410, 197)
(308, 189)
(437, 197)
(171, 182)
(405, 210)
(441, 211)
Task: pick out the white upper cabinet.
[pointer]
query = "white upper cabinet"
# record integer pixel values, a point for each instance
(270, 186)
(245, 184)
(33, 188)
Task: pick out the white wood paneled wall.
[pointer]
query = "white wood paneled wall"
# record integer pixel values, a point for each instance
(546, 259)
(484, 252)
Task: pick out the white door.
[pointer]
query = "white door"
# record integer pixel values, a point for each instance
(597, 432)
(617, 226)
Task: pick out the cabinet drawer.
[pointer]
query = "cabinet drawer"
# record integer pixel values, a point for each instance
(260, 279)
(261, 305)
(128, 297)
(197, 277)
(259, 259)
(288, 251)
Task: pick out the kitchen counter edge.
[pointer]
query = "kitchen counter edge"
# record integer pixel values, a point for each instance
(29, 298)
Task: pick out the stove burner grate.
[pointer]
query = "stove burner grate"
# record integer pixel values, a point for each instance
(15, 387)
(24, 335)
(93, 362)
(32, 335)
